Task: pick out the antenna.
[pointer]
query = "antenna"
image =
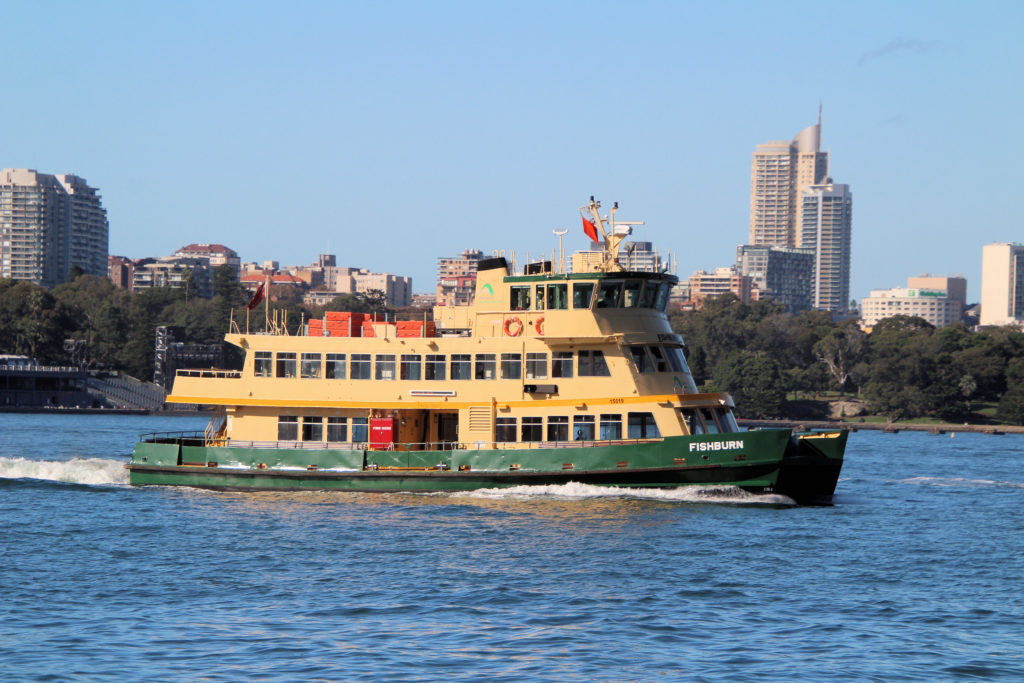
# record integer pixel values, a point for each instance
(561, 253)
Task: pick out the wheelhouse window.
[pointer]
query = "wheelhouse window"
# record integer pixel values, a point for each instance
(611, 427)
(658, 358)
(360, 429)
(583, 427)
(434, 368)
(561, 364)
(709, 420)
(287, 428)
(520, 298)
(533, 429)
(631, 293)
(536, 366)
(582, 293)
(642, 426)
(608, 294)
(505, 429)
(312, 428)
(558, 297)
(511, 366)
(540, 297)
(649, 295)
(558, 428)
(728, 420)
(286, 364)
(310, 367)
(693, 421)
(640, 359)
(661, 301)
(360, 368)
(412, 364)
(676, 359)
(334, 366)
(592, 364)
(337, 429)
(486, 366)
(385, 367)
(462, 367)
(263, 364)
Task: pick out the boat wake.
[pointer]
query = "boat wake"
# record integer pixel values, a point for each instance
(93, 471)
(962, 482)
(732, 495)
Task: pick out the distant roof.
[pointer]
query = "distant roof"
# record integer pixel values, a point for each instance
(207, 249)
(279, 279)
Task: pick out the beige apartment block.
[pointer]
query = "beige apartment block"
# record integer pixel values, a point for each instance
(938, 300)
(1002, 284)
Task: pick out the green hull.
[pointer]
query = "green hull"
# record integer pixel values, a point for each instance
(756, 461)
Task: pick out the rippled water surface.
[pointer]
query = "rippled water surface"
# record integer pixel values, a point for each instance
(915, 574)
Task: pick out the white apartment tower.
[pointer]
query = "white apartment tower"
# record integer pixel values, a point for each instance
(780, 172)
(826, 226)
(1002, 284)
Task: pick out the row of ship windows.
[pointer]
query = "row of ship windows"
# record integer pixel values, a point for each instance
(609, 294)
(460, 366)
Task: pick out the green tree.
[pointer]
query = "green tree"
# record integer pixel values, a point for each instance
(755, 381)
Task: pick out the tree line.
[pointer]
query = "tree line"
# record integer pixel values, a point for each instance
(905, 368)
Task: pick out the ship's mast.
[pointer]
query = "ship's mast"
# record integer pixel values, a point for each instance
(613, 237)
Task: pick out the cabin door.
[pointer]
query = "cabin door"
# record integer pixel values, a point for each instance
(448, 430)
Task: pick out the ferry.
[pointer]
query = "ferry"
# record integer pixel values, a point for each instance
(547, 377)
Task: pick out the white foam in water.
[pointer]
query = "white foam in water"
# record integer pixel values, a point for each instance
(95, 471)
(683, 494)
(960, 481)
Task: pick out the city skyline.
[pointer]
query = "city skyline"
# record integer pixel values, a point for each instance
(347, 129)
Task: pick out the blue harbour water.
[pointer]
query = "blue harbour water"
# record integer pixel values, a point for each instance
(915, 574)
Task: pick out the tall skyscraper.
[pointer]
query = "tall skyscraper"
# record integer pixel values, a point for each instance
(1002, 284)
(780, 172)
(49, 223)
(826, 226)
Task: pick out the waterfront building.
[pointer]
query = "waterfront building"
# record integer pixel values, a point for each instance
(938, 300)
(780, 172)
(783, 274)
(1002, 284)
(456, 278)
(48, 223)
(826, 224)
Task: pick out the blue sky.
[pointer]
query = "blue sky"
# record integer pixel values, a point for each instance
(393, 133)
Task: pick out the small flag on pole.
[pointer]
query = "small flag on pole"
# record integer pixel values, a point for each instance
(590, 229)
(256, 298)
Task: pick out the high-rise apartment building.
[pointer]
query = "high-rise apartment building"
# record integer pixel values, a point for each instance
(456, 278)
(780, 172)
(49, 223)
(783, 274)
(1002, 284)
(826, 226)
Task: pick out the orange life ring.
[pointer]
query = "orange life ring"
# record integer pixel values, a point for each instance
(513, 327)
(540, 325)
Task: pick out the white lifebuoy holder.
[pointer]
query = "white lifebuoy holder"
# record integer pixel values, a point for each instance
(513, 327)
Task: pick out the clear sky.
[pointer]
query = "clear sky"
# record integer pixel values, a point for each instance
(392, 133)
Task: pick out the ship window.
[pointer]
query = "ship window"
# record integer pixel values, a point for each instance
(558, 297)
(692, 420)
(558, 428)
(561, 364)
(728, 420)
(411, 366)
(533, 429)
(337, 429)
(287, 428)
(511, 366)
(611, 427)
(434, 368)
(263, 364)
(360, 366)
(640, 359)
(540, 297)
(334, 368)
(536, 366)
(643, 426)
(661, 303)
(583, 427)
(385, 369)
(608, 294)
(310, 367)
(592, 364)
(649, 295)
(360, 429)
(582, 293)
(286, 364)
(505, 429)
(676, 359)
(486, 366)
(631, 298)
(660, 364)
(709, 420)
(520, 298)
(462, 367)
(312, 428)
